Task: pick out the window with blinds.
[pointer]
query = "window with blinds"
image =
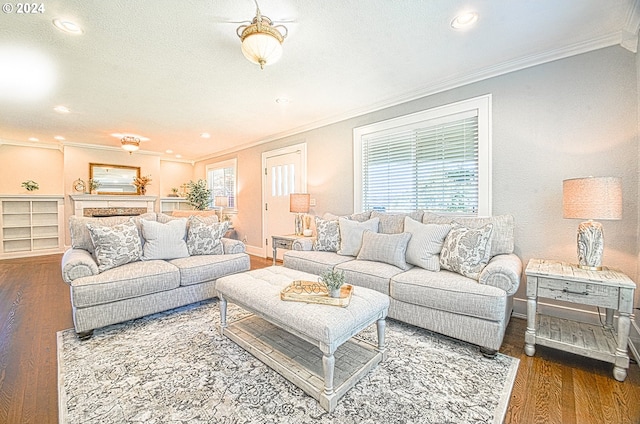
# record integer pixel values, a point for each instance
(221, 178)
(433, 160)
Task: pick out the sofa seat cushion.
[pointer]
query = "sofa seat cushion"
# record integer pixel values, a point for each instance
(312, 261)
(369, 274)
(201, 268)
(124, 282)
(449, 291)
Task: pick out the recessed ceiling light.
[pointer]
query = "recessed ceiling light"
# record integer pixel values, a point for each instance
(169, 151)
(205, 135)
(178, 156)
(67, 26)
(283, 101)
(33, 139)
(59, 138)
(61, 109)
(464, 20)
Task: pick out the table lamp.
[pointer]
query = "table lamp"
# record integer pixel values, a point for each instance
(591, 198)
(299, 204)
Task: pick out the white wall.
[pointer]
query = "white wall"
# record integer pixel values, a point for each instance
(569, 118)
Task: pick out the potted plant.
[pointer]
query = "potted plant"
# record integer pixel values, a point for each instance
(198, 194)
(333, 280)
(30, 185)
(94, 185)
(174, 192)
(142, 183)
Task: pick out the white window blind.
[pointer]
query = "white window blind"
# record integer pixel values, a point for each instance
(433, 163)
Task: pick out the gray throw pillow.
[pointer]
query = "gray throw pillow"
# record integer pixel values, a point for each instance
(425, 244)
(467, 250)
(164, 241)
(115, 245)
(205, 236)
(387, 248)
(327, 235)
(351, 234)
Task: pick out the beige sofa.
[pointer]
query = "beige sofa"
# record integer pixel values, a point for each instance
(472, 304)
(161, 275)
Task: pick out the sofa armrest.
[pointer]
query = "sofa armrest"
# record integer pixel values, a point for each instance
(504, 272)
(231, 246)
(77, 263)
(305, 243)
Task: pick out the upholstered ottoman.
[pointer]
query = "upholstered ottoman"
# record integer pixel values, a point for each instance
(283, 342)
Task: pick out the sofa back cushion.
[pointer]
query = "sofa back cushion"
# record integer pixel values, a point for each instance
(393, 223)
(80, 237)
(502, 240)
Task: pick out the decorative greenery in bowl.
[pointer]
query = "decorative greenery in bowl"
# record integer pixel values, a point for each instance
(333, 280)
(198, 194)
(30, 185)
(93, 185)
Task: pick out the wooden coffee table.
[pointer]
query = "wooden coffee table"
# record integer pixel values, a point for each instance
(300, 340)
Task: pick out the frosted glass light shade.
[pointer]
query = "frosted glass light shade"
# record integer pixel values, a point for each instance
(262, 48)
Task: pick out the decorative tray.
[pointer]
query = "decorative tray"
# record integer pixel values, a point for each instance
(314, 292)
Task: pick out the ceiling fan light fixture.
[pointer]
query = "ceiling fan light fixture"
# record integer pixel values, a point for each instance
(261, 40)
(130, 143)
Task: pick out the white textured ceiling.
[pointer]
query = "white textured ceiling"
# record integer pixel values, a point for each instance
(170, 70)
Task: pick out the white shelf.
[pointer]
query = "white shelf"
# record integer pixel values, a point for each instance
(31, 225)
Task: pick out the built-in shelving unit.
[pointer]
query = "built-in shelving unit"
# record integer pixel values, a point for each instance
(169, 204)
(31, 225)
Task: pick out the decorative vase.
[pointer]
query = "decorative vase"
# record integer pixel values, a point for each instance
(334, 292)
(143, 191)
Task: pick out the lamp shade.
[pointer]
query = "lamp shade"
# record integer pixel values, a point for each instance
(592, 198)
(299, 202)
(221, 201)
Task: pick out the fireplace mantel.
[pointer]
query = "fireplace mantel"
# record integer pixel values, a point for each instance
(97, 201)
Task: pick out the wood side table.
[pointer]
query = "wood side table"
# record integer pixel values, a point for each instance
(282, 242)
(609, 288)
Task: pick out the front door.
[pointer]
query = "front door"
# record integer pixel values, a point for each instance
(285, 173)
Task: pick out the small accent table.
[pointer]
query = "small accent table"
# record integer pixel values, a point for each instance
(609, 288)
(282, 242)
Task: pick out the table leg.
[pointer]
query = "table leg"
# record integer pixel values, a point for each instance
(622, 358)
(275, 252)
(223, 312)
(328, 364)
(609, 319)
(530, 334)
(381, 324)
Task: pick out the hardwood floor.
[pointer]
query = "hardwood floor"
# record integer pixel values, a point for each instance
(551, 387)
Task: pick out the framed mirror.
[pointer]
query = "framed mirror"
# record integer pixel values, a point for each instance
(114, 179)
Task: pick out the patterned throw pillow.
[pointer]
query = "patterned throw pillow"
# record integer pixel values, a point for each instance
(205, 238)
(115, 245)
(467, 250)
(426, 243)
(327, 235)
(164, 241)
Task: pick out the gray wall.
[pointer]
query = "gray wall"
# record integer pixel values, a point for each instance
(569, 118)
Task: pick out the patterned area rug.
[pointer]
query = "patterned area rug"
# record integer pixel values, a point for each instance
(175, 367)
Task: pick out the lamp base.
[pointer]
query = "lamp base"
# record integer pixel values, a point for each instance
(298, 224)
(590, 245)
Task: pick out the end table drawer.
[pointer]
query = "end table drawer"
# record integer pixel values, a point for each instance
(577, 292)
(283, 244)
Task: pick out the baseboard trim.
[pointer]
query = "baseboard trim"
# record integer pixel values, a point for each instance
(255, 251)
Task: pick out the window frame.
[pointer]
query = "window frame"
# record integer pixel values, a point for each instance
(482, 106)
(229, 163)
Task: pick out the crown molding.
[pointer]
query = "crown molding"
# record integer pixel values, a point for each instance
(33, 144)
(108, 148)
(612, 39)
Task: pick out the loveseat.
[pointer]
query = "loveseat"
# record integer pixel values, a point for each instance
(120, 268)
(451, 275)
